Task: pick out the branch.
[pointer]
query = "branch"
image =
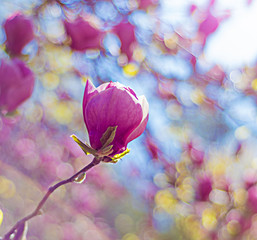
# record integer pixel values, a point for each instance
(51, 189)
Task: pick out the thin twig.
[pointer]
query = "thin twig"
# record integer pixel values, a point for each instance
(51, 189)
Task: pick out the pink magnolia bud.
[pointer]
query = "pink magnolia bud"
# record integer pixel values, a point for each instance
(110, 105)
(126, 33)
(83, 35)
(16, 83)
(19, 32)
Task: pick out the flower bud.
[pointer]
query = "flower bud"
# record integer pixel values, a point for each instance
(19, 32)
(16, 83)
(83, 35)
(112, 107)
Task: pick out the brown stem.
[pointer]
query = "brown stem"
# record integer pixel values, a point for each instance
(51, 189)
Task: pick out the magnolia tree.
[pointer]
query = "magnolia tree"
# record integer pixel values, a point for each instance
(191, 172)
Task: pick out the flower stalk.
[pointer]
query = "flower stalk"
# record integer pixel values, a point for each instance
(22, 223)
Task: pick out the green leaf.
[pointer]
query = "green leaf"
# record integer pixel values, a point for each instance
(108, 136)
(84, 146)
(105, 151)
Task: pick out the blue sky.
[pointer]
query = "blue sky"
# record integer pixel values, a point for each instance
(234, 44)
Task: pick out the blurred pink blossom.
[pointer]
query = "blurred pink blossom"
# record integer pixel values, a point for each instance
(143, 4)
(83, 35)
(16, 83)
(19, 32)
(204, 187)
(192, 8)
(152, 147)
(252, 198)
(197, 156)
(236, 216)
(113, 104)
(126, 33)
(250, 178)
(210, 24)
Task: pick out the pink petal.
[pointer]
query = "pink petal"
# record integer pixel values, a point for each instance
(118, 85)
(141, 127)
(112, 107)
(90, 91)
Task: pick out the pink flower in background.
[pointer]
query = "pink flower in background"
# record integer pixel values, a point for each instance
(126, 33)
(19, 32)
(16, 83)
(113, 104)
(143, 4)
(83, 35)
(192, 8)
(252, 198)
(249, 2)
(197, 157)
(204, 187)
(210, 24)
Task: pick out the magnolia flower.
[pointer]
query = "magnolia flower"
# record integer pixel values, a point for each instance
(126, 33)
(19, 32)
(83, 35)
(16, 83)
(113, 116)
